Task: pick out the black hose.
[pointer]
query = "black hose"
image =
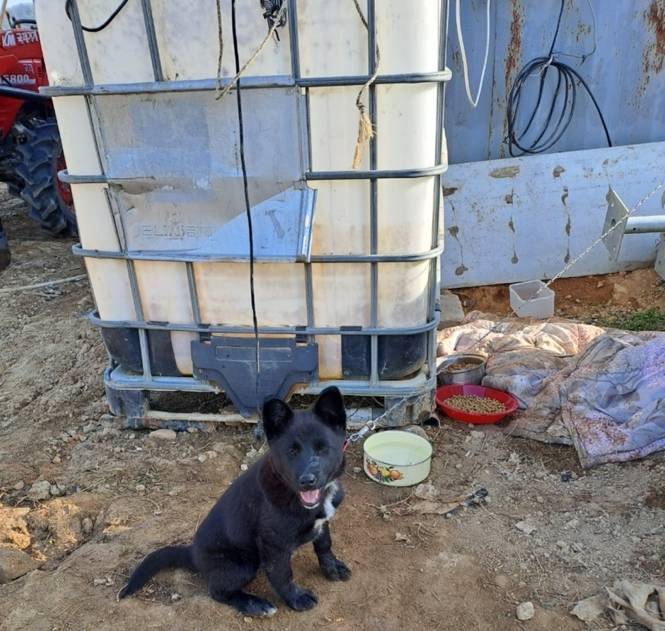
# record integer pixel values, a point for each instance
(248, 206)
(559, 111)
(103, 25)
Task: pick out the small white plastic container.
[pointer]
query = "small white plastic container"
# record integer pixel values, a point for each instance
(532, 299)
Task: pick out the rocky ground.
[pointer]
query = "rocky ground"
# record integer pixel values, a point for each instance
(81, 501)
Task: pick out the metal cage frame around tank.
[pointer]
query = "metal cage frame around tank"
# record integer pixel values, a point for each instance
(118, 379)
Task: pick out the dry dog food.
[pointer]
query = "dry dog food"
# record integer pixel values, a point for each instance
(475, 404)
(462, 366)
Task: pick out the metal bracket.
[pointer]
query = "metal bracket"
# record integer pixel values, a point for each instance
(230, 362)
(617, 213)
(618, 223)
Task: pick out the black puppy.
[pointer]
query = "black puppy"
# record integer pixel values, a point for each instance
(280, 503)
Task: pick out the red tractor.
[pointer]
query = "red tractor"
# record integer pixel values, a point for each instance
(30, 148)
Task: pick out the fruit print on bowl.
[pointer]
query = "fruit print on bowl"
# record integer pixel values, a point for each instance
(383, 473)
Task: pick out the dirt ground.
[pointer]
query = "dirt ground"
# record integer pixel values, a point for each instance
(593, 299)
(116, 495)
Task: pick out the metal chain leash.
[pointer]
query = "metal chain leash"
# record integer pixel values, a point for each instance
(370, 426)
(373, 424)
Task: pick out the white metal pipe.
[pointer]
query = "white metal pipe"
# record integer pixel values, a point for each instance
(638, 225)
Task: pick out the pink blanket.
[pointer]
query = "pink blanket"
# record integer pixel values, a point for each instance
(602, 391)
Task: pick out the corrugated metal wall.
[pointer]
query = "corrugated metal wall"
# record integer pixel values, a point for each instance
(626, 72)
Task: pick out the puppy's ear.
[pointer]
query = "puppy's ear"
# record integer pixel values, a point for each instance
(330, 408)
(277, 416)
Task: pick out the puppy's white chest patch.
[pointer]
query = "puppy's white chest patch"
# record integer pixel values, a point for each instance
(328, 508)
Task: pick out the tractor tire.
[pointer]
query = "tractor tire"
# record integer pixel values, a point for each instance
(38, 158)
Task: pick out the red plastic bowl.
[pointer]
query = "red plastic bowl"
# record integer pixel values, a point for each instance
(445, 392)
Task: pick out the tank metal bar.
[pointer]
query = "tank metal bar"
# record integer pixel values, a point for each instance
(309, 297)
(293, 38)
(81, 48)
(267, 330)
(308, 120)
(440, 113)
(185, 257)
(193, 293)
(307, 155)
(145, 354)
(373, 198)
(98, 136)
(118, 379)
(376, 174)
(247, 83)
(415, 77)
(143, 336)
(443, 34)
(407, 388)
(435, 264)
(150, 87)
(309, 281)
(151, 36)
(432, 308)
(438, 149)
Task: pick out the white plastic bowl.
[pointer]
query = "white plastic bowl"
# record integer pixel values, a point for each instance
(397, 458)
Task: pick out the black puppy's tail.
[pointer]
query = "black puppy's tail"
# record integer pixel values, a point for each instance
(169, 557)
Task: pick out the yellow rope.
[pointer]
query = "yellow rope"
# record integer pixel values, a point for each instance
(257, 52)
(366, 129)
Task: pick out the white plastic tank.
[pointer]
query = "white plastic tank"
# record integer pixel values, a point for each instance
(163, 165)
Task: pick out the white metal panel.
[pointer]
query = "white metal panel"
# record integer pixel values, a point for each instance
(525, 218)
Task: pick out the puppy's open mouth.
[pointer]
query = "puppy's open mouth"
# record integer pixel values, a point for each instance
(310, 499)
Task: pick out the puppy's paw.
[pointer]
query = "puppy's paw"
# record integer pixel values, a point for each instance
(259, 607)
(302, 600)
(335, 570)
(246, 604)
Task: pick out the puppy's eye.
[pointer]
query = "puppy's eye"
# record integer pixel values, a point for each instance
(321, 448)
(294, 450)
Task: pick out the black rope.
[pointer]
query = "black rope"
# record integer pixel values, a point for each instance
(103, 25)
(248, 209)
(559, 112)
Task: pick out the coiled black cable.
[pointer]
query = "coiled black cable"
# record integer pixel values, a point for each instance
(559, 112)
